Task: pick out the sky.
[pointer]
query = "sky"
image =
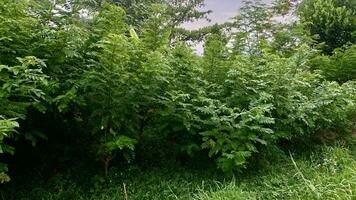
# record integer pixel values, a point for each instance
(223, 10)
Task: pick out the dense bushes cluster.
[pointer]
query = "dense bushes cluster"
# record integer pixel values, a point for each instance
(123, 83)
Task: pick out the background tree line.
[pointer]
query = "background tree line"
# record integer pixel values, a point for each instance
(116, 81)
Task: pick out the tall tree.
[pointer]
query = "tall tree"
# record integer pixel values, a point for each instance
(177, 11)
(252, 27)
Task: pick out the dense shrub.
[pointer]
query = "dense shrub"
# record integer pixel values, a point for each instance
(121, 87)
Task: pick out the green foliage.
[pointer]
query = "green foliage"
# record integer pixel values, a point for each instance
(261, 28)
(252, 26)
(120, 79)
(7, 128)
(123, 82)
(267, 99)
(340, 67)
(332, 22)
(175, 12)
(110, 20)
(155, 35)
(20, 87)
(16, 36)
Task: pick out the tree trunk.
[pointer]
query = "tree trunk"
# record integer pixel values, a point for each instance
(142, 127)
(106, 165)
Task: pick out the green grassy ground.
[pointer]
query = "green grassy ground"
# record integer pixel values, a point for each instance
(325, 173)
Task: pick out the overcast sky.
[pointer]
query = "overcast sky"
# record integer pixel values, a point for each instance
(223, 10)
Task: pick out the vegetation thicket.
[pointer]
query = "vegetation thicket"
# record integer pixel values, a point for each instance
(95, 92)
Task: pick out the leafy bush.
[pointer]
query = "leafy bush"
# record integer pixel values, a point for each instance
(117, 86)
(20, 87)
(339, 67)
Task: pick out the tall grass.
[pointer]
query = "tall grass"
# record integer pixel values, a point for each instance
(328, 173)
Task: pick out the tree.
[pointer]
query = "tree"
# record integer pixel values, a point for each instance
(177, 12)
(215, 55)
(330, 21)
(253, 25)
(104, 84)
(123, 82)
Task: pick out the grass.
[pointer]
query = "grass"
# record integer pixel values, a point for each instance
(326, 173)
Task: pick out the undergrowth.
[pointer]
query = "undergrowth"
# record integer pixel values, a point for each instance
(328, 172)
